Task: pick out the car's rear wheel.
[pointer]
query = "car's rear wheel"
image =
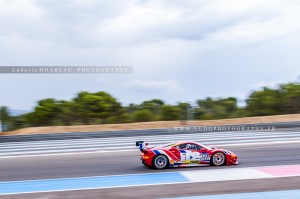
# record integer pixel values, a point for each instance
(218, 159)
(160, 162)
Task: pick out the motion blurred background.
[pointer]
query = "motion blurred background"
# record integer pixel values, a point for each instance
(221, 59)
(102, 108)
(209, 62)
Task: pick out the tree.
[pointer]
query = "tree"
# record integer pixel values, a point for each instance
(216, 108)
(4, 114)
(67, 114)
(5, 118)
(264, 102)
(46, 111)
(30, 119)
(93, 106)
(290, 97)
(125, 118)
(170, 112)
(153, 105)
(283, 100)
(101, 108)
(143, 116)
(132, 108)
(183, 110)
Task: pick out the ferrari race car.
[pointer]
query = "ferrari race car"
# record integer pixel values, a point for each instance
(184, 154)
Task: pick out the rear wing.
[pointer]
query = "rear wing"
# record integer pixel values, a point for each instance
(141, 144)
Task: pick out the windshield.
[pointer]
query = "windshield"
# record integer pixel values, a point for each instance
(169, 144)
(174, 143)
(207, 147)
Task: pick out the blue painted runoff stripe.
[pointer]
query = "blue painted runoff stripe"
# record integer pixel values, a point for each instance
(290, 194)
(63, 184)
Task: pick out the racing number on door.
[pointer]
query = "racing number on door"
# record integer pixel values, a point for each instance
(193, 156)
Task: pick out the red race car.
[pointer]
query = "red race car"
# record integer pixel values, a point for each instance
(184, 154)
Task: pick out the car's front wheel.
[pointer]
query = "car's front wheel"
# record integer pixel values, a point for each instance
(218, 159)
(160, 162)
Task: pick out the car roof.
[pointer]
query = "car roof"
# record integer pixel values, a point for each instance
(186, 142)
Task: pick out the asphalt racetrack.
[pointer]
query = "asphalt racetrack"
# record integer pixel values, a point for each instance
(117, 163)
(127, 162)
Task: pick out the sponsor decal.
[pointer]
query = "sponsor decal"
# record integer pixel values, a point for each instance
(194, 156)
(156, 152)
(187, 162)
(170, 154)
(204, 156)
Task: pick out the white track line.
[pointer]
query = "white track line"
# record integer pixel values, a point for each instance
(120, 139)
(114, 141)
(129, 144)
(137, 150)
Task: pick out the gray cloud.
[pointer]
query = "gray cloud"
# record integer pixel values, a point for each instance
(180, 50)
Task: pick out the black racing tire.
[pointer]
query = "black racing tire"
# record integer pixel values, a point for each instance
(218, 159)
(160, 162)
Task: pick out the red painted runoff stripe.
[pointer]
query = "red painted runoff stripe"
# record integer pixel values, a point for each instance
(282, 171)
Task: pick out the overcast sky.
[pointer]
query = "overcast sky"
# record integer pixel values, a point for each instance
(180, 50)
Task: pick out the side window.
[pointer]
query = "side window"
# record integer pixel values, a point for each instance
(188, 146)
(193, 147)
(198, 147)
(182, 146)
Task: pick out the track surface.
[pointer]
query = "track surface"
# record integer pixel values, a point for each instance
(118, 143)
(176, 190)
(118, 163)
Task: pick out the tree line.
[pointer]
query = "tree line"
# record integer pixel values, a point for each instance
(102, 108)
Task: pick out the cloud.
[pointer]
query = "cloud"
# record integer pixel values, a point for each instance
(180, 50)
(271, 84)
(114, 23)
(254, 31)
(154, 86)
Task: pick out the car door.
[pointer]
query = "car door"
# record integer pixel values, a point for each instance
(191, 153)
(202, 155)
(187, 153)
